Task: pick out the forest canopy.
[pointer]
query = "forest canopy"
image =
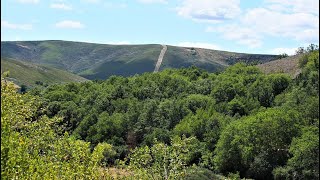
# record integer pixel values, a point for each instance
(178, 123)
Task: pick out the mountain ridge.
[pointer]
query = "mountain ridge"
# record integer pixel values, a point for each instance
(100, 61)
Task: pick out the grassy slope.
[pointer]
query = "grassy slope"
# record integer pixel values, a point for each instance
(99, 61)
(28, 73)
(211, 60)
(125, 61)
(288, 65)
(177, 57)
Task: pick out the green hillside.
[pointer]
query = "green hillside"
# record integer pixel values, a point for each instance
(99, 61)
(29, 74)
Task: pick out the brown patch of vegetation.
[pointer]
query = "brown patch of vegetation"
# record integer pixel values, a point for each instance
(115, 173)
(288, 65)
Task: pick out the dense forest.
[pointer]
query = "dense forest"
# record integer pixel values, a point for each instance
(175, 124)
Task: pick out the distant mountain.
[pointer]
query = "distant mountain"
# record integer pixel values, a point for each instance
(29, 74)
(99, 61)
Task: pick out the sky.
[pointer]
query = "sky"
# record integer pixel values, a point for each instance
(248, 26)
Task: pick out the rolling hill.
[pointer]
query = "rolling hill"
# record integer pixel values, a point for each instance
(29, 74)
(99, 61)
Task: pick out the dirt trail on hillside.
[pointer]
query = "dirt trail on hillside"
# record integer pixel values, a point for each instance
(163, 51)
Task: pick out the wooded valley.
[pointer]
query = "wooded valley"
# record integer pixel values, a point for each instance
(175, 124)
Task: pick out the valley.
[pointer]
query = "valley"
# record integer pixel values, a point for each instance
(154, 111)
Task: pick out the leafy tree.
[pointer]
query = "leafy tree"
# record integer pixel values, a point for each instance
(262, 139)
(30, 149)
(106, 128)
(23, 89)
(266, 88)
(304, 164)
(300, 50)
(162, 161)
(283, 55)
(312, 47)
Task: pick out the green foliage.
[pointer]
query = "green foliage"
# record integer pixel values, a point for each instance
(30, 149)
(106, 128)
(309, 77)
(34, 75)
(266, 88)
(256, 144)
(157, 135)
(206, 126)
(304, 164)
(23, 88)
(176, 124)
(283, 55)
(310, 48)
(162, 161)
(197, 173)
(234, 176)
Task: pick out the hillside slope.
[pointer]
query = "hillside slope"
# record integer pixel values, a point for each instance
(29, 74)
(211, 60)
(288, 65)
(99, 61)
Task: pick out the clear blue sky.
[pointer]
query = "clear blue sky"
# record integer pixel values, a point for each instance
(251, 26)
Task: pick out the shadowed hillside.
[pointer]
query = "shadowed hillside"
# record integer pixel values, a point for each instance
(99, 61)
